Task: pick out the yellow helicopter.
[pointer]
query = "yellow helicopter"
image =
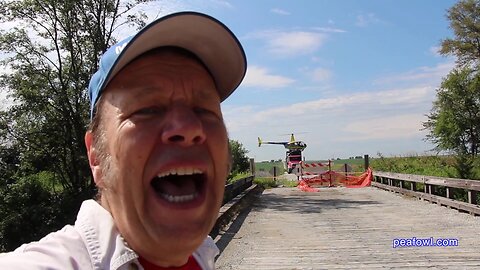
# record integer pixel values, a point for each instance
(294, 151)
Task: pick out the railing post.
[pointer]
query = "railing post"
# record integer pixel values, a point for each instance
(413, 186)
(401, 184)
(252, 166)
(367, 162)
(424, 185)
(472, 196)
(448, 193)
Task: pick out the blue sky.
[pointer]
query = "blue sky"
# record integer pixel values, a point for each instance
(348, 77)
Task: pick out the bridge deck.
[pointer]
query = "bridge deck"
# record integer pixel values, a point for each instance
(340, 228)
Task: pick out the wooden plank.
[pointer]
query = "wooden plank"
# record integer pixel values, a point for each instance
(342, 228)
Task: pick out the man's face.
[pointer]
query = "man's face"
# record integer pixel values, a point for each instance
(167, 155)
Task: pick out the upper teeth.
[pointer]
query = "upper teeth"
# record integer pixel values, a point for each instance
(180, 171)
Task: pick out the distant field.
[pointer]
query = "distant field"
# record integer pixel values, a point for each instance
(338, 164)
(441, 166)
(263, 168)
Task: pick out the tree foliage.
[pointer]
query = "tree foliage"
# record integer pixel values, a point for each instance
(464, 20)
(454, 121)
(240, 160)
(52, 52)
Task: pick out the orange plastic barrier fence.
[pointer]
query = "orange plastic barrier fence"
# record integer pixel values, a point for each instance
(332, 178)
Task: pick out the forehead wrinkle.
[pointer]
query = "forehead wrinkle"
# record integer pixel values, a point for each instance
(149, 87)
(147, 92)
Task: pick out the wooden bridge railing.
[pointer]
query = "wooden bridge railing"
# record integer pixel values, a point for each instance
(237, 196)
(237, 187)
(408, 184)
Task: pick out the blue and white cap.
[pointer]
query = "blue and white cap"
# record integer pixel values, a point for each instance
(206, 37)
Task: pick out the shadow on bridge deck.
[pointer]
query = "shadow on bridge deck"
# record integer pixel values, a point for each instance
(308, 202)
(225, 237)
(292, 200)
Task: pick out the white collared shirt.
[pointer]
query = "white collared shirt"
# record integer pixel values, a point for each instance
(92, 244)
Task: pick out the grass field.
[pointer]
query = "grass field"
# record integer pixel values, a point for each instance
(440, 165)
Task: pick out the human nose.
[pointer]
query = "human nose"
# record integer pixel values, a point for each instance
(183, 127)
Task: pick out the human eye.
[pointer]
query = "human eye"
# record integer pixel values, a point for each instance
(207, 113)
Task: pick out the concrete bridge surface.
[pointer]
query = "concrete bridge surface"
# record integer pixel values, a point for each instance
(343, 228)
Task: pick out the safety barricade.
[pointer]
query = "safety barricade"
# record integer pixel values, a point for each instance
(314, 175)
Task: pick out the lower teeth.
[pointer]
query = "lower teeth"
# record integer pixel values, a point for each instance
(180, 198)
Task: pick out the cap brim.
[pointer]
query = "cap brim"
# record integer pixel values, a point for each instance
(206, 37)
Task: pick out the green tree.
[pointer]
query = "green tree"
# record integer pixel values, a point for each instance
(464, 19)
(51, 54)
(240, 160)
(454, 121)
(27, 211)
(464, 165)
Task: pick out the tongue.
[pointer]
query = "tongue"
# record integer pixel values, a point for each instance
(176, 185)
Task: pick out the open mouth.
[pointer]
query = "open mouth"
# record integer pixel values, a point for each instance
(179, 185)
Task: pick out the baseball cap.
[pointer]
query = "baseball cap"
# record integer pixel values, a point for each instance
(206, 37)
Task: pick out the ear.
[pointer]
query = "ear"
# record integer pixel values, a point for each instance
(93, 160)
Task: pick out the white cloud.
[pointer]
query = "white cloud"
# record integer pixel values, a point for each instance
(290, 43)
(359, 105)
(403, 96)
(366, 122)
(280, 11)
(321, 74)
(329, 30)
(260, 77)
(391, 127)
(430, 75)
(387, 121)
(364, 20)
(222, 3)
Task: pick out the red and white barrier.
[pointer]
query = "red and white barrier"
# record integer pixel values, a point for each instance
(321, 174)
(313, 165)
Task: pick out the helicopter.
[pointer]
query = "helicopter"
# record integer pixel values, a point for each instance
(293, 155)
